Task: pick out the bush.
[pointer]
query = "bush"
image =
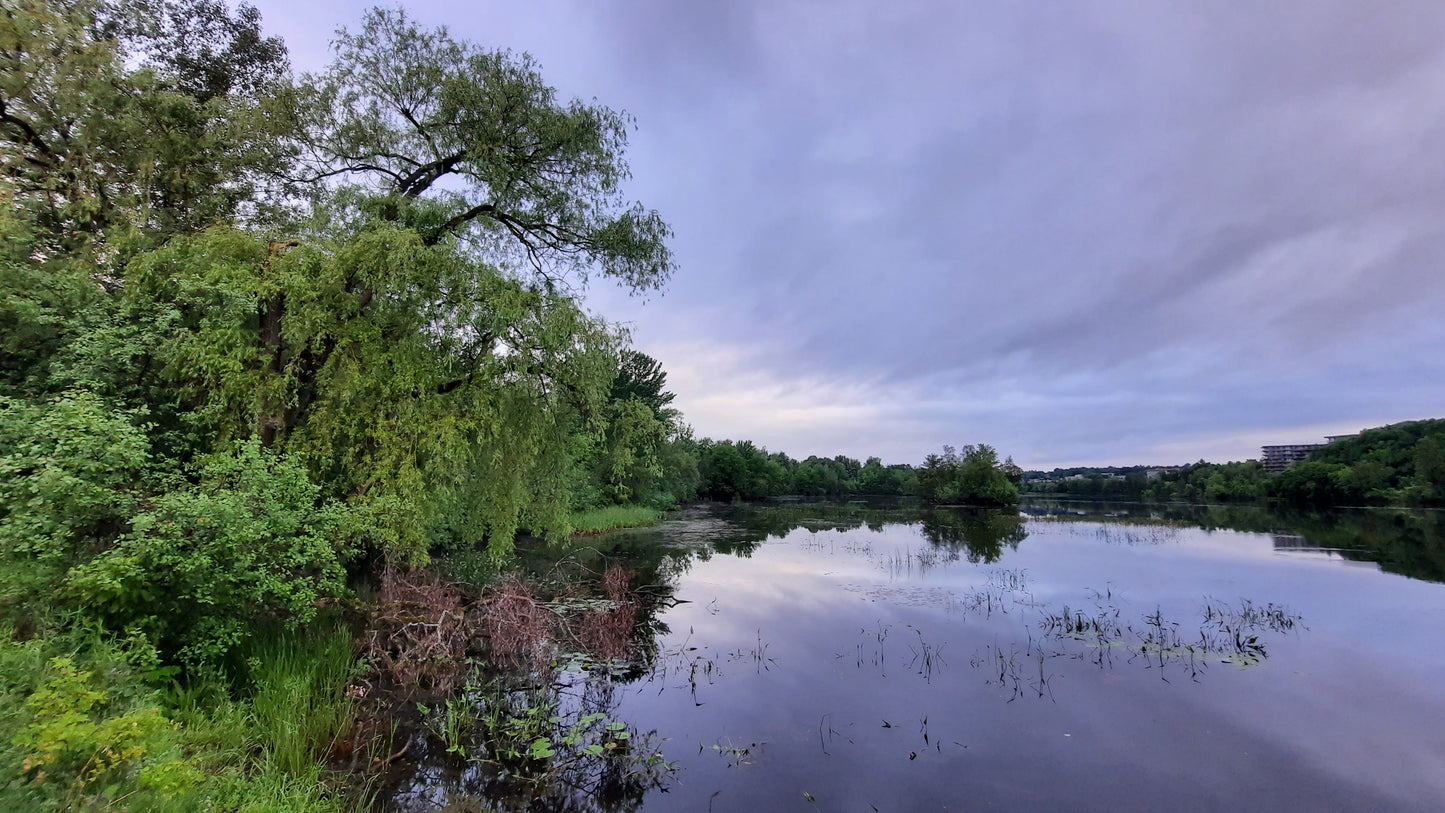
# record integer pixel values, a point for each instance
(70, 475)
(84, 731)
(1313, 483)
(205, 565)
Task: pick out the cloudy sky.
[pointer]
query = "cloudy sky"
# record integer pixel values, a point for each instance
(1082, 232)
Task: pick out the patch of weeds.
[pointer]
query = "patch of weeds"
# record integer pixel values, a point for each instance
(529, 742)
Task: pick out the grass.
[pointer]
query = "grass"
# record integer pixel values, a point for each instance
(612, 517)
(300, 707)
(205, 746)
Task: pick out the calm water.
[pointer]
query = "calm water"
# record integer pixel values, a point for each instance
(1082, 658)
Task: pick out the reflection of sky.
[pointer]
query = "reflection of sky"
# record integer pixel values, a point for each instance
(1340, 716)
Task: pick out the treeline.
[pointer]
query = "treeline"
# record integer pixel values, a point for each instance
(1194, 483)
(727, 470)
(1400, 464)
(740, 470)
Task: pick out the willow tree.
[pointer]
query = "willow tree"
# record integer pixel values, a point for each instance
(133, 119)
(419, 343)
(456, 141)
(411, 333)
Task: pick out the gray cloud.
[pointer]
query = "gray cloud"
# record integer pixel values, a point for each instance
(1082, 232)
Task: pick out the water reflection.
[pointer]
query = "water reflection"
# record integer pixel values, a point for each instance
(1410, 543)
(889, 655)
(981, 534)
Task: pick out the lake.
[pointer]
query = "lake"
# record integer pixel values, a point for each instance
(811, 656)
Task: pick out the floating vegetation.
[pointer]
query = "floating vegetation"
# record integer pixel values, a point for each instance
(1112, 530)
(691, 667)
(530, 745)
(986, 601)
(758, 654)
(1226, 633)
(926, 657)
(827, 733)
(735, 755)
(504, 695)
(1014, 669)
(903, 564)
(1003, 578)
(1133, 535)
(1100, 630)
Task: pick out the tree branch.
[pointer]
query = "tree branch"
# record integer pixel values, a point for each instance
(28, 132)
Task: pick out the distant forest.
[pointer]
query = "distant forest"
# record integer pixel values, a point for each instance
(1399, 464)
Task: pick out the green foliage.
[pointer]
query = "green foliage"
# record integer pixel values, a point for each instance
(1314, 483)
(65, 739)
(99, 152)
(84, 732)
(412, 377)
(680, 480)
(1196, 483)
(628, 461)
(640, 377)
(44, 305)
(461, 430)
(975, 477)
(739, 471)
(451, 139)
(1399, 463)
(728, 470)
(471, 568)
(300, 707)
(1429, 485)
(98, 736)
(552, 752)
(206, 564)
(71, 474)
(895, 480)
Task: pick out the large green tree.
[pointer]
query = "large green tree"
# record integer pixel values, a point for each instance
(99, 151)
(456, 141)
(973, 477)
(368, 275)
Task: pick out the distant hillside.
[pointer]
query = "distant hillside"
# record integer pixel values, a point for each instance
(1399, 464)
(1403, 463)
(1392, 445)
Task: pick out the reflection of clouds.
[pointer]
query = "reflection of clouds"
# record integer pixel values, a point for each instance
(847, 640)
(1302, 547)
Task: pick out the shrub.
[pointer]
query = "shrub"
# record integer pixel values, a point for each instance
(205, 565)
(70, 474)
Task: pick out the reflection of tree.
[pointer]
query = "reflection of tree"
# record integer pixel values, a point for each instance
(1410, 543)
(981, 534)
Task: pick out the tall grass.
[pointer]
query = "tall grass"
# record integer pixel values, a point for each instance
(258, 754)
(242, 773)
(613, 516)
(300, 708)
